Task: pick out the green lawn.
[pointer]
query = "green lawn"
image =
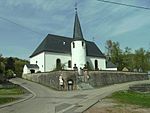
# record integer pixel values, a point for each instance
(10, 94)
(4, 100)
(142, 99)
(11, 91)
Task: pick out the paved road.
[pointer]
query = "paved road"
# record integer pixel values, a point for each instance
(46, 100)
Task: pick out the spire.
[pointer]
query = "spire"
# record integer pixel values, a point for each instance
(77, 33)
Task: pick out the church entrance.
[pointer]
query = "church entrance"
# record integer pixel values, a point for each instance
(96, 65)
(70, 84)
(32, 71)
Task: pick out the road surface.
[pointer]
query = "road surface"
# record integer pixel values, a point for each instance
(46, 100)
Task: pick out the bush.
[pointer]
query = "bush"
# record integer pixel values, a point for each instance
(9, 74)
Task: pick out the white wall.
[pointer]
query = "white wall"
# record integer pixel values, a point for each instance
(101, 62)
(78, 53)
(50, 60)
(47, 61)
(26, 70)
(40, 61)
(111, 69)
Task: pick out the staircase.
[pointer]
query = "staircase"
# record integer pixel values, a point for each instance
(84, 86)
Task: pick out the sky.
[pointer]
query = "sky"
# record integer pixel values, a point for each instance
(25, 23)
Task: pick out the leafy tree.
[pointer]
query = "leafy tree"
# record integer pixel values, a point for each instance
(19, 64)
(108, 46)
(2, 68)
(139, 60)
(10, 64)
(9, 73)
(116, 55)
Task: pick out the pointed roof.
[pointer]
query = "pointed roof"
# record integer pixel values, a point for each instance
(61, 44)
(77, 33)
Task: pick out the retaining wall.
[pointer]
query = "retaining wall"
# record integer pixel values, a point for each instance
(95, 78)
(51, 79)
(103, 78)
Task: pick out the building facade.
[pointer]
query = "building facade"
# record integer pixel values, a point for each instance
(68, 53)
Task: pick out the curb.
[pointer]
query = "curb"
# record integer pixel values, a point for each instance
(90, 106)
(87, 104)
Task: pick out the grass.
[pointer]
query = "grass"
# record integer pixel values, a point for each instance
(4, 100)
(9, 94)
(11, 91)
(129, 97)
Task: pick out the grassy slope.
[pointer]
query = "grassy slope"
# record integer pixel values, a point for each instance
(129, 97)
(11, 91)
(4, 100)
(4, 92)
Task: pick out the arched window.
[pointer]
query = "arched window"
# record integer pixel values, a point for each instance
(73, 45)
(69, 64)
(82, 44)
(58, 64)
(96, 65)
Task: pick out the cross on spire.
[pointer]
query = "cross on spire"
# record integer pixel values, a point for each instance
(77, 33)
(76, 6)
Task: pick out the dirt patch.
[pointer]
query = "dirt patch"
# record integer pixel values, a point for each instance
(110, 106)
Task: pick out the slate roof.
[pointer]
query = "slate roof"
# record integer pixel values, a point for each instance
(110, 65)
(77, 33)
(60, 44)
(35, 66)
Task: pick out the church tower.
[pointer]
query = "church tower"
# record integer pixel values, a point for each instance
(78, 45)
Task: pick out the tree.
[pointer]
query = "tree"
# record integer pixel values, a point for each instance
(116, 55)
(9, 73)
(10, 64)
(2, 68)
(108, 46)
(141, 60)
(128, 58)
(2, 65)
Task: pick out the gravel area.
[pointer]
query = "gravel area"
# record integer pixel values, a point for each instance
(110, 106)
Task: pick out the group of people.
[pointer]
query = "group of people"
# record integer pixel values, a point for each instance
(81, 72)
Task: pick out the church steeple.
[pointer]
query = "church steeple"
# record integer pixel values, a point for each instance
(78, 45)
(77, 33)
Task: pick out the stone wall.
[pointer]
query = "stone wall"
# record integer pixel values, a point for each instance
(103, 78)
(94, 78)
(51, 79)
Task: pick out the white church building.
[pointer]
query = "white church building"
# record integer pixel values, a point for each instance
(59, 51)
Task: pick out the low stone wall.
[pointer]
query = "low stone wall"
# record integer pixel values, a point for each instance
(93, 78)
(103, 78)
(51, 79)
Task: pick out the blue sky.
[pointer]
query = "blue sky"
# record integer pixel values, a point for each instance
(103, 21)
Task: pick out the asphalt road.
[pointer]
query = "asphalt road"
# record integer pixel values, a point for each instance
(46, 100)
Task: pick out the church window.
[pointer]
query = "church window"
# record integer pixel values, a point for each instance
(58, 64)
(69, 64)
(82, 44)
(73, 45)
(96, 65)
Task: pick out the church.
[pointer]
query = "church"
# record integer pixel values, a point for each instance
(67, 53)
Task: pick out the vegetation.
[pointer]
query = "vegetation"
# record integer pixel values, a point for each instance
(138, 60)
(11, 91)
(129, 97)
(11, 66)
(4, 100)
(8, 93)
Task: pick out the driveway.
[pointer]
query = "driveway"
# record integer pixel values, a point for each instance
(46, 100)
